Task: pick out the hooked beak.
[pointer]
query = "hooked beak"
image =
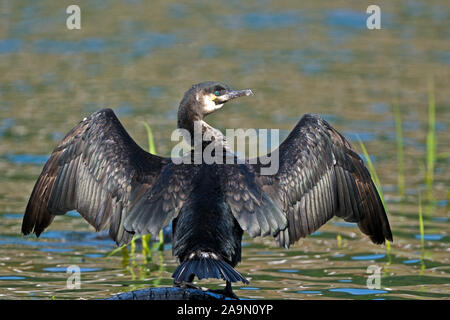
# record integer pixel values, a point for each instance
(233, 94)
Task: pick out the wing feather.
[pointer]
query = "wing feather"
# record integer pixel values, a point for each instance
(321, 176)
(98, 170)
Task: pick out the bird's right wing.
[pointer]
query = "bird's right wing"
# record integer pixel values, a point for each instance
(98, 170)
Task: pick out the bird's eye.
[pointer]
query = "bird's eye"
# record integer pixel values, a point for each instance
(217, 93)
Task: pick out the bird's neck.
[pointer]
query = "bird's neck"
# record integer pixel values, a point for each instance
(186, 120)
(211, 134)
(199, 132)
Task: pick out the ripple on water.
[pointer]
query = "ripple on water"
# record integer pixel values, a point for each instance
(411, 261)
(12, 216)
(6, 124)
(90, 45)
(94, 255)
(358, 292)
(306, 41)
(363, 136)
(27, 158)
(346, 19)
(442, 203)
(262, 20)
(124, 109)
(155, 92)
(288, 270)
(55, 250)
(64, 269)
(369, 257)
(345, 224)
(429, 237)
(149, 41)
(209, 51)
(265, 252)
(309, 292)
(10, 45)
(73, 213)
(11, 278)
(177, 10)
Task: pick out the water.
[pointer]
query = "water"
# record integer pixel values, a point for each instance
(139, 58)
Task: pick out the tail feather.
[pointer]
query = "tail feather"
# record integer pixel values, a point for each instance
(206, 267)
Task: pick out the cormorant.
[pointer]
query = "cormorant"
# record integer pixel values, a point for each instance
(98, 170)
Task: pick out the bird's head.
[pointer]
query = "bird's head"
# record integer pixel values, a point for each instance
(205, 98)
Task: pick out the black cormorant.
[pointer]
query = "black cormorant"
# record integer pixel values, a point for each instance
(98, 170)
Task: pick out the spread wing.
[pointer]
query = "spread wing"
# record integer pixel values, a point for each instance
(319, 176)
(98, 170)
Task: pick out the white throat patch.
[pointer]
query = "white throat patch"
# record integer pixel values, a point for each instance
(208, 102)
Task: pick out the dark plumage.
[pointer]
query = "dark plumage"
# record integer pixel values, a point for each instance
(101, 172)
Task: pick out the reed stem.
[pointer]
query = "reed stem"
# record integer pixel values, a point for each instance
(431, 142)
(400, 155)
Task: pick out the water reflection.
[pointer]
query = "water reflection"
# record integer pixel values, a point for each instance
(298, 58)
(309, 292)
(430, 237)
(27, 159)
(369, 257)
(10, 46)
(262, 20)
(91, 45)
(412, 261)
(63, 269)
(56, 249)
(358, 292)
(11, 278)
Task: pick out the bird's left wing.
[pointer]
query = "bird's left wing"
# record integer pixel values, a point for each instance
(319, 176)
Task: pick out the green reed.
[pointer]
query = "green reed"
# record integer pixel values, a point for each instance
(431, 142)
(400, 155)
(151, 142)
(339, 241)
(146, 238)
(422, 235)
(421, 224)
(376, 180)
(372, 171)
(125, 253)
